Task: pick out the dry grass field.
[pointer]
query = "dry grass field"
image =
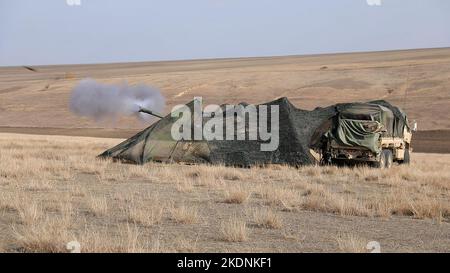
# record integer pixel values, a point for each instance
(54, 190)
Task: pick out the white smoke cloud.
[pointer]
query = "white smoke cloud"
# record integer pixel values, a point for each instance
(106, 102)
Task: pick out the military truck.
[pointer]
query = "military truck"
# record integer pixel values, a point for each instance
(375, 132)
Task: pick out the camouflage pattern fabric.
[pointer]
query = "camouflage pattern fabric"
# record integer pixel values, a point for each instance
(299, 132)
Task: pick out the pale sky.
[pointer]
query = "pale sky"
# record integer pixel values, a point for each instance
(99, 31)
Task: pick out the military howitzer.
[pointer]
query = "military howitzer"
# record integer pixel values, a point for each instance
(147, 111)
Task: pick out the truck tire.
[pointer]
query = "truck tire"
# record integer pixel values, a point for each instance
(407, 157)
(385, 160)
(389, 159)
(381, 162)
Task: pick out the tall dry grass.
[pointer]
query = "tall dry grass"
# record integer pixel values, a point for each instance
(351, 243)
(234, 229)
(54, 190)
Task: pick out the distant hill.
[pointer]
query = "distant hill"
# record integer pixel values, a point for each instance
(416, 80)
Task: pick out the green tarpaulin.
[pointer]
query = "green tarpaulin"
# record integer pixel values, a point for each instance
(362, 124)
(355, 133)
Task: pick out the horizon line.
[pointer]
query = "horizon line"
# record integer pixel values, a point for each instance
(227, 58)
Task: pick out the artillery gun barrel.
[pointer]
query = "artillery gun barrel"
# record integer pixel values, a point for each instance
(147, 111)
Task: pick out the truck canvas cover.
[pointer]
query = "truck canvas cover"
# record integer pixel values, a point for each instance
(362, 124)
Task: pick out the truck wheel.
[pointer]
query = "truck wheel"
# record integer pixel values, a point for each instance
(407, 158)
(389, 159)
(381, 162)
(385, 160)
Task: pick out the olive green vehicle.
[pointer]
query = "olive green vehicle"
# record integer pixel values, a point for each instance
(375, 132)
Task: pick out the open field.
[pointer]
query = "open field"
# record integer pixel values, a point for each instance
(416, 80)
(53, 190)
(435, 141)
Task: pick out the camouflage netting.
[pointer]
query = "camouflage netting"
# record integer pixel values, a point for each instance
(299, 132)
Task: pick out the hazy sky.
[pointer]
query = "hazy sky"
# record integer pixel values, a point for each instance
(53, 32)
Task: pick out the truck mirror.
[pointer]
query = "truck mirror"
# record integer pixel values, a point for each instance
(414, 126)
